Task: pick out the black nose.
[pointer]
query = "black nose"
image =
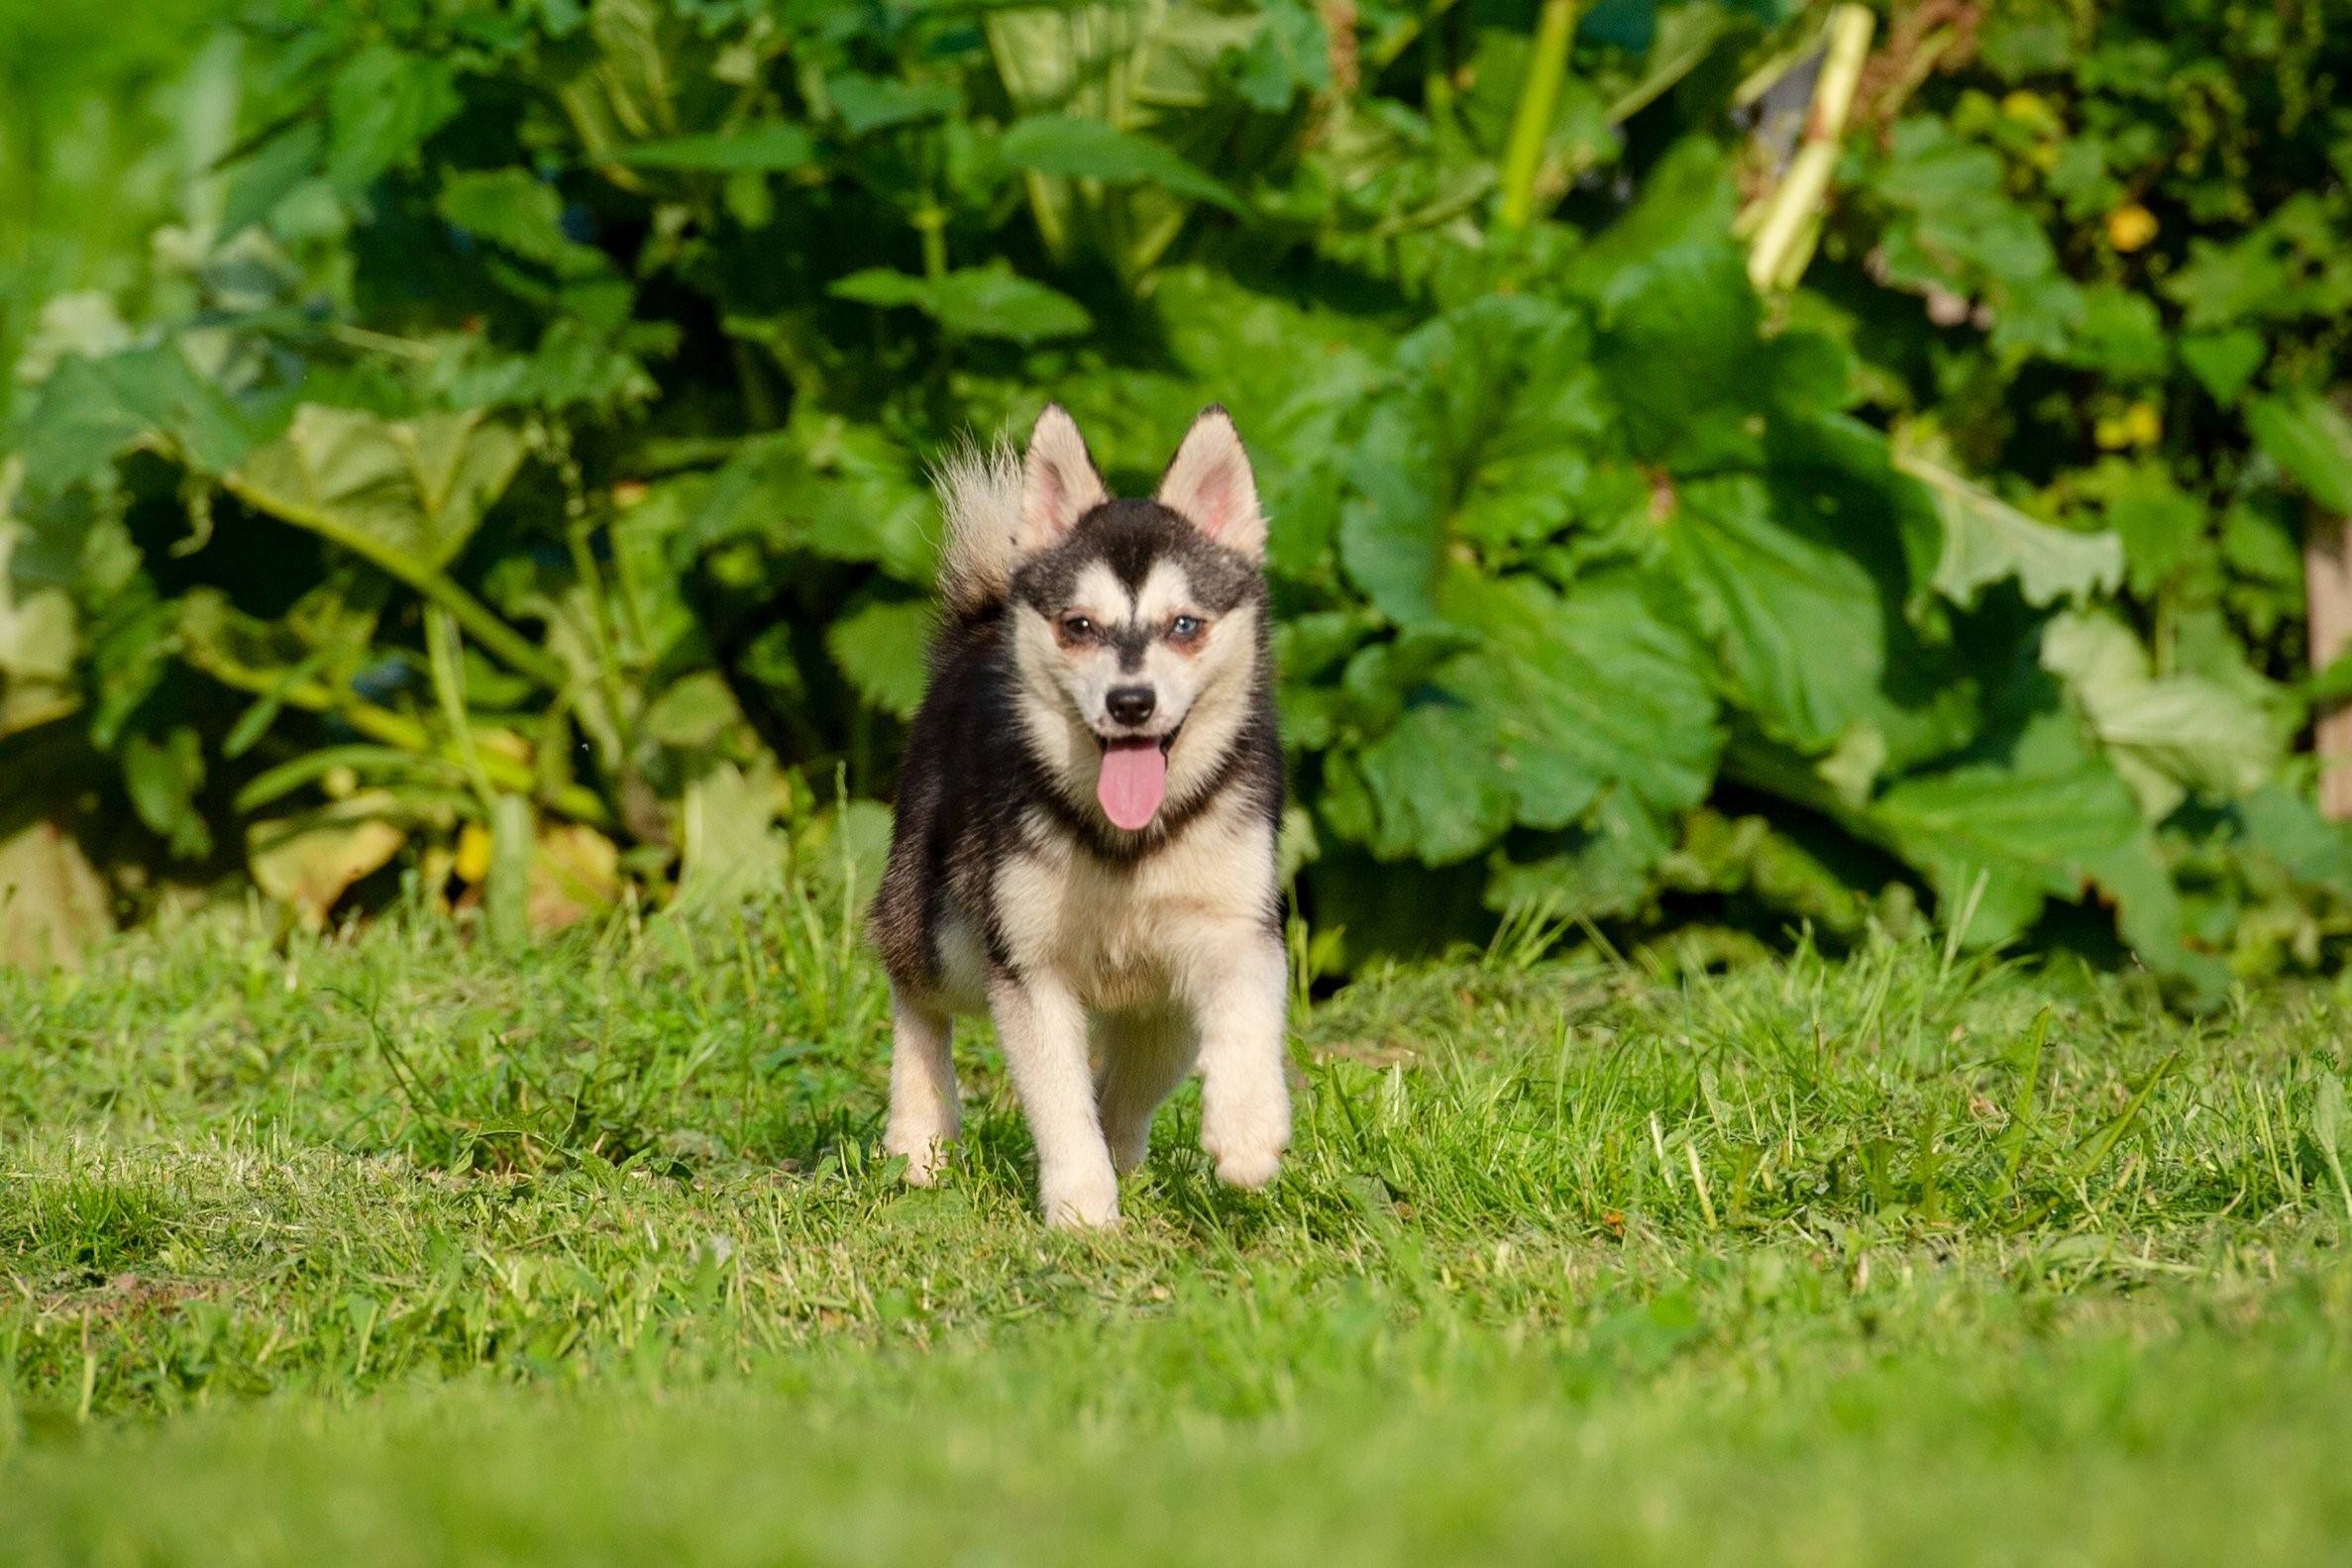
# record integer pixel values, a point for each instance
(1130, 704)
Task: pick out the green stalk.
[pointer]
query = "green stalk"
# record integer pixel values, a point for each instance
(1538, 102)
(930, 224)
(516, 649)
(1792, 222)
(396, 730)
(446, 654)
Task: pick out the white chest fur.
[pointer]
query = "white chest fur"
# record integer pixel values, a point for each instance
(1121, 936)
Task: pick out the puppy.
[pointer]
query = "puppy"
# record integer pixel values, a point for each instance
(1084, 841)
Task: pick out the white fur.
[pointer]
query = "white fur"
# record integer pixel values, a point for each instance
(979, 497)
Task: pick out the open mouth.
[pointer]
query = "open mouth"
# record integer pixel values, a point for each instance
(1134, 778)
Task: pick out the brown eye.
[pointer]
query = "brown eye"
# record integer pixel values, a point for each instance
(1077, 628)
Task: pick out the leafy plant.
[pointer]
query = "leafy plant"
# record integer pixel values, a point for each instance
(516, 481)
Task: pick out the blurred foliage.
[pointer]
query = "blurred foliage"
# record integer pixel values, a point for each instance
(486, 444)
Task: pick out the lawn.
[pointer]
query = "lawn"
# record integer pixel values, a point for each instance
(393, 1248)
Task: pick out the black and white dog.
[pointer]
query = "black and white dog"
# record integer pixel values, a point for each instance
(1087, 814)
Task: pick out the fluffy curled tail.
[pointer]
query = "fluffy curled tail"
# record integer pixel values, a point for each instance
(980, 495)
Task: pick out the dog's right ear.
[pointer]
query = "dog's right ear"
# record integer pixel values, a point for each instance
(1059, 480)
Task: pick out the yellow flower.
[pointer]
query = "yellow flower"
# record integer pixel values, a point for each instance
(2130, 225)
(2139, 425)
(474, 853)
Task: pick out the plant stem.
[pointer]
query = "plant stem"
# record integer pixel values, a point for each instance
(397, 730)
(446, 654)
(1538, 102)
(516, 649)
(1792, 219)
(931, 222)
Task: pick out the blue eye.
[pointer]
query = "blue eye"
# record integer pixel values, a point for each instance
(1185, 627)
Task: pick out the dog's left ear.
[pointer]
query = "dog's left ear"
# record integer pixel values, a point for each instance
(1209, 485)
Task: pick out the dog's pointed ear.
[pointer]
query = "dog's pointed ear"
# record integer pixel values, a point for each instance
(1059, 480)
(1209, 485)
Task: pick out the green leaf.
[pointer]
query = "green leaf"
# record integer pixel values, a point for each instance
(840, 490)
(2328, 1131)
(381, 106)
(2309, 437)
(1392, 530)
(880, 647)
(841, 850)
(1955, 226)
(2222, 284)
(693, 713)
(1563, 703)
(90, 411)
(762, 145)
(1511, 411)
(1591, 692)
(39, 642)
(1997, 840)
(407, 492)
(731, 849)
(516, 210)
(1433, 788)
(1687, 204)
(874, 103)
(1679, 351)
(1750, 855)
(1987, 541)
(2163, 527)
(1801, 619)
(1605, 869)
(506, 886)
(2169, 736)
(2226, 361)
(2118, 334)
(261, 181)
(1489, 441)
(1091, 150)
(163, 778)
(988, 301)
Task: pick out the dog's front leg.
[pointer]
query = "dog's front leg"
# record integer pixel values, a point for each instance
(1237, 990)
(1042, 1028)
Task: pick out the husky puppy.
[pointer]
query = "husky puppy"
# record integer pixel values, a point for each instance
(1084, 842)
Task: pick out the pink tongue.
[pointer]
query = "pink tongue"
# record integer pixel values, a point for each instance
(1134, 780)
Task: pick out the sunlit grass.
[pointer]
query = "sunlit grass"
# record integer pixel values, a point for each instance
(390, 1248)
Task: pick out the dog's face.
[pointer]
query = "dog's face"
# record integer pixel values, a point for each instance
(1139, 625)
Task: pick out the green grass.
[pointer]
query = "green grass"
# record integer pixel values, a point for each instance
(387, 1247)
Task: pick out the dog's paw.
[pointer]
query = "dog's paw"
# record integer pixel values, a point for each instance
(1090, 1203)
(1247, 1169)
(1248, 1148)
(925, 1155)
